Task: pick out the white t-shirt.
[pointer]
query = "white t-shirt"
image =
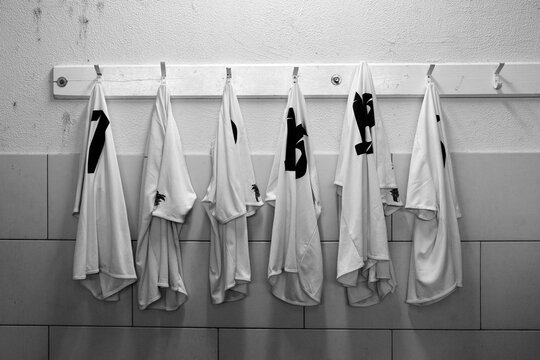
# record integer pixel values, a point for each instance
(166, 198)
(103, 259)
(295, 269)
(367, 190)
(435, 266)
(231, 197)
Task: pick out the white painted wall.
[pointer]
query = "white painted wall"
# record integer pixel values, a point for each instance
(35, 35)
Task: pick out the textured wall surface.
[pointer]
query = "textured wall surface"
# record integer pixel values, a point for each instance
(38, 34)
(44, 314)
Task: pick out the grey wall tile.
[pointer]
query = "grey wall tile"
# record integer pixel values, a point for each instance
(24, 342)
(131, 167)
(511, 285)
(402, 220)
(23, 190)
(465, 345)
(260, 224)
(37, 288)
(259, 309)
(63, 185)
(459, 310)
(499, 197)
(197, 225)
(328, 222)
(132, 343)
(496, 195)
(304, 344)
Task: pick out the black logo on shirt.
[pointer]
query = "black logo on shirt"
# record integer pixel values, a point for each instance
(98, 140)
(395, 194)
(295, 134)
(159, 198)
(365, 117)
(255, 189)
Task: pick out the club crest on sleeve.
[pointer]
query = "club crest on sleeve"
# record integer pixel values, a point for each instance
(255, 189)
(159, 198)
(395, 194)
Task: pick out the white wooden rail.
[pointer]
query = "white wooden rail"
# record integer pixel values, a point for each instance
(270, 81)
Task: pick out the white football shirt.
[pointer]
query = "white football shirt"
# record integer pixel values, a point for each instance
(231, 197)
(366, 187)
(103, 259)
(166, 198)
(295, 268)
(435, 264)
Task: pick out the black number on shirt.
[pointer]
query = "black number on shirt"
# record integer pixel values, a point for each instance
(98, 140)
(365, 117)
(234, 131)
(295, 133)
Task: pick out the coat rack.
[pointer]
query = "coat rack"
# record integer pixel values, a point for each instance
(317, 80)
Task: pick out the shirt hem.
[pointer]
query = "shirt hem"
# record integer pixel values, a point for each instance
(435, 298)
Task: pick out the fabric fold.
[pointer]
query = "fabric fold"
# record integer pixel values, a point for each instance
(232, 196)
(166, 198)
(103, 259)
(435, 264)
(295, 269)
(367, 191)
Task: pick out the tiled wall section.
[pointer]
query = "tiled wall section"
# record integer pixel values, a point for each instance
(46, 315)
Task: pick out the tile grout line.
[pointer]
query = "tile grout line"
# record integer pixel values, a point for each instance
(391, 344)
(480, 284)
(132, 306)
(217, 343)
(49, 342)
(533, 330)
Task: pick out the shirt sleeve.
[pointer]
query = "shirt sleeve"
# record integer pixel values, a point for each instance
(175, 195)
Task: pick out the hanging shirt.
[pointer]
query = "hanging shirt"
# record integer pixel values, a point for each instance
(367, 188)
(231, 197)
(295, 269)
(166, 198)
(435, 264)
(103, 259)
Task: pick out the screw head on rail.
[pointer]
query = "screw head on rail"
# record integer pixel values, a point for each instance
(335, 79)
(61, 81)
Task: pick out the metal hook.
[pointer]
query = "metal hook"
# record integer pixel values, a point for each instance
(98, 71)
(163, 70)
(497, 83)
(295, 74)
(229, 73)
(430, 71)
